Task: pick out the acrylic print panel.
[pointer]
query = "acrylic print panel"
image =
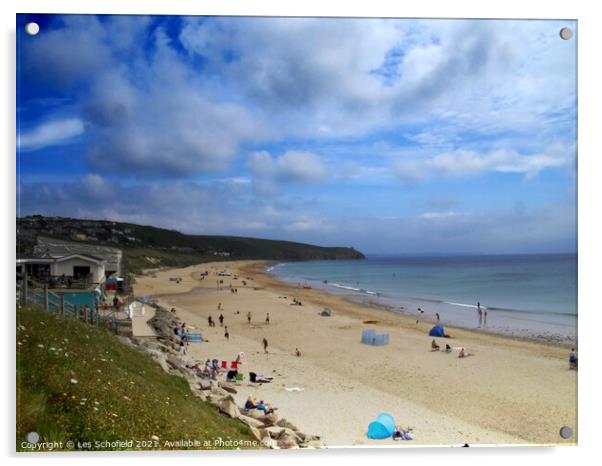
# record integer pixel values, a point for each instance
(266, 232)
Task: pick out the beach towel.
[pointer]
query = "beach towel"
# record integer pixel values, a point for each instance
(294, 389)
(195, 338)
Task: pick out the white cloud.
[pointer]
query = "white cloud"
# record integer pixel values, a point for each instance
(470, 162)
(51, 133)
(292, 166)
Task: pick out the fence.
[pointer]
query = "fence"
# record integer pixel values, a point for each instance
(31, 291)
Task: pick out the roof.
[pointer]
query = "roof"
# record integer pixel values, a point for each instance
(50, 260)
(87, 257)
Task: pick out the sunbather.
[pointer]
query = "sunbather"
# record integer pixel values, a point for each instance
(463, 353)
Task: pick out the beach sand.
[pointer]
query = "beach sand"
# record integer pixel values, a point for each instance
(510, 391)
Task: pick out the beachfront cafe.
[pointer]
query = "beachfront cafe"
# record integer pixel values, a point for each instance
(80, 278)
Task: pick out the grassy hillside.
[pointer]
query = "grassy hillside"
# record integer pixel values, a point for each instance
(79, 383)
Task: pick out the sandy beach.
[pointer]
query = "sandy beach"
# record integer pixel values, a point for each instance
(509, 391)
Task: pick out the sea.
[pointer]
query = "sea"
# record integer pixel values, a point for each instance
(527, 295)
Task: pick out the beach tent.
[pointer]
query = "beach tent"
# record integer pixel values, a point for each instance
(370, 337)
(326, 312)
(382, 427)
(437, 331)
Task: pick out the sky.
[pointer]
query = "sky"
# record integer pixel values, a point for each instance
(388, 135)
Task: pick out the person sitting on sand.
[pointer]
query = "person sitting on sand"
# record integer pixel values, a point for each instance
(252, 404)
(249, 318)
(435, 346)
(447, 348)
(463, 353)
(297, 352)
(227, 334)
(267, 318)
(573, 359)
(266, 408)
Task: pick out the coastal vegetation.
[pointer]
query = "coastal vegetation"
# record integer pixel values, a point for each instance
(79, 383)
(150, 247)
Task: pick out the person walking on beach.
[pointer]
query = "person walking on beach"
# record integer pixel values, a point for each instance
(226, 334)
(221, 320)
(480, 313)
(438, 318)
(219, 306)
(267, 318)
(265, 346)
(573, 359)
(249, 317)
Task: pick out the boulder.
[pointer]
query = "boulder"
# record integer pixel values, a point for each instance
(269, 419)
(284, 423)
(255, 432)
(204, 384)
(162, 361)
(254, 413)
(228, 407)
(269, 443)
(213, 398)
(219, 391)
(313, 444)
(250, 421)
(227, 387)
(287, 442)
(291, 433)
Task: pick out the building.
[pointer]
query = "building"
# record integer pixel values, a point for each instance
(55, 248)
(89, 269)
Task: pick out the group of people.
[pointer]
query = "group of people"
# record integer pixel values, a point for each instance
(182, 332)
(462, 353)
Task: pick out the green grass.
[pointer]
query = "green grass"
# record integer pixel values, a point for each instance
(138, 259)
(120, 394)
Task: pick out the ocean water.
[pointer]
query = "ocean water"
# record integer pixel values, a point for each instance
(524, 295)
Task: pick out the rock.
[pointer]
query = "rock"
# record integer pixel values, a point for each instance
(291, 433)
(269, 443)
(174, 362)
(313, 444)
(254, 413)
(275, 432)
(228, 407)
(204, 384)
(284, 423)
(255, 433)
(269, 419)
(219, 391)
(287, 442)
(251, 422)
(163, 363)
(228, 387)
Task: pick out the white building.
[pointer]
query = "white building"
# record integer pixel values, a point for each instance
(77, 266)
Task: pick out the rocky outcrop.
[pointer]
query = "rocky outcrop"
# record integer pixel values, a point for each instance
(269, 430)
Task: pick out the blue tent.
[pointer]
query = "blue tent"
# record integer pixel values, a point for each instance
(437, 331)
(382, 427)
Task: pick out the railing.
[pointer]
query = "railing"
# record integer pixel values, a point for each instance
(31, 291)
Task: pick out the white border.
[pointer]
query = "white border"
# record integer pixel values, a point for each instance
(590, 42)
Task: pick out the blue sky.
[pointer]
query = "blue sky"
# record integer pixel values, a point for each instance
(390, 135)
